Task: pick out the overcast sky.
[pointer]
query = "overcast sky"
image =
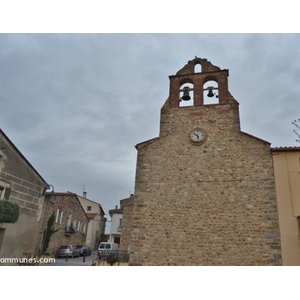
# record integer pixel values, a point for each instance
(76, 105)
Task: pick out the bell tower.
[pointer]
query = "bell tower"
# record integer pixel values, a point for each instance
(204, 190)
(208, 73)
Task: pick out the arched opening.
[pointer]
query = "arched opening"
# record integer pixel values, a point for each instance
(210, 92)
(186, 95)
(198, 68)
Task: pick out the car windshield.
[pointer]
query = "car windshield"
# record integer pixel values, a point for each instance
(64, 247)
(102, 246)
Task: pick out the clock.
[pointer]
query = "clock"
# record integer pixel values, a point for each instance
(197, 136)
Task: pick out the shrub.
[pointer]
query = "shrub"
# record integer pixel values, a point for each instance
(48, 232)
(9, 211)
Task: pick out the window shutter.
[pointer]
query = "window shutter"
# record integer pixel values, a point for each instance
(7, 193)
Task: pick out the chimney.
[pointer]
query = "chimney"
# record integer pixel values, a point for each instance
(84, 194)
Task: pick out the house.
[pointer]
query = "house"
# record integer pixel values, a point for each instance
(22, 184)
(287, 178)
(97, 221)
(70, 220)
(116, 225)
(204, 190)
(120, 229)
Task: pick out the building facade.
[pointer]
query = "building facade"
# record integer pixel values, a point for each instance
(70, 220)
(116, 216)
(97, 221)
(287, 178)
(204, 190)
(22, 184)
(127, 206)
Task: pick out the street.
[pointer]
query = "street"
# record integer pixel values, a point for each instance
(77, 261)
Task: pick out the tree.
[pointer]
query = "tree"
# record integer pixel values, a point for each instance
(296, 124)
(49, 231)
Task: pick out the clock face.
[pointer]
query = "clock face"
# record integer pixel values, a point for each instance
(197, 136)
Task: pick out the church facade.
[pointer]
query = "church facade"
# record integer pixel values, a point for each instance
(204, 190)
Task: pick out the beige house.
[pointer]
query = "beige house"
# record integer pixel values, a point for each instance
(96, 226)
(287, 178)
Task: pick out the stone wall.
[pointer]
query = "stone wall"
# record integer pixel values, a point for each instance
(67, 203)
(213, 204)
(126, 227)
(26, 188)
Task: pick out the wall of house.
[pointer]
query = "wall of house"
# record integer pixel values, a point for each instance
(96, 227)
(213, 204)
(72, 213)
(115, 229)
(26, 189)
(287, 177)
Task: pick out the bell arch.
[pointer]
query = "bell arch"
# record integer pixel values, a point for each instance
(186, 92)
(210, 90)
(191, 74)
(197, 67)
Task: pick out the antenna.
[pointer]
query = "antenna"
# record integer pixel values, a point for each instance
(83, 187)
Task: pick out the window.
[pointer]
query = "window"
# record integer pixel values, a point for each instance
(79, 226)
(89, 208)
(120, 223)
(69, 219)
(298, 219)
(1, 192)
(59, 215)
(4, 192)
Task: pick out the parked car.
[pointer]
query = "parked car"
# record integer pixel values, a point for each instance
(105, 249)
(68, 250)
(84, 250)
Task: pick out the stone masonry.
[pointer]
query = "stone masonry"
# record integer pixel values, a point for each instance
(70, 213)
(212, 204)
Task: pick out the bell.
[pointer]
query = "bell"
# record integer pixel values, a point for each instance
(186, 95)
(210, 94)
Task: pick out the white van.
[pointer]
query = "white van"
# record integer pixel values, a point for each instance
(105, 249)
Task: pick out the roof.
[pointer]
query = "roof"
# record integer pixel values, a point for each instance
(68, 194)
(255, 137)
(22, 156)
(115, 211)
(286, 149)
(90, 201)
(145, 142)
(91, 215)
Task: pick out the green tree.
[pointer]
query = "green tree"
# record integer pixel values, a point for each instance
(49, 231)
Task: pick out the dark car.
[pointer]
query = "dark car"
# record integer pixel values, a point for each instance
(84, 250)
